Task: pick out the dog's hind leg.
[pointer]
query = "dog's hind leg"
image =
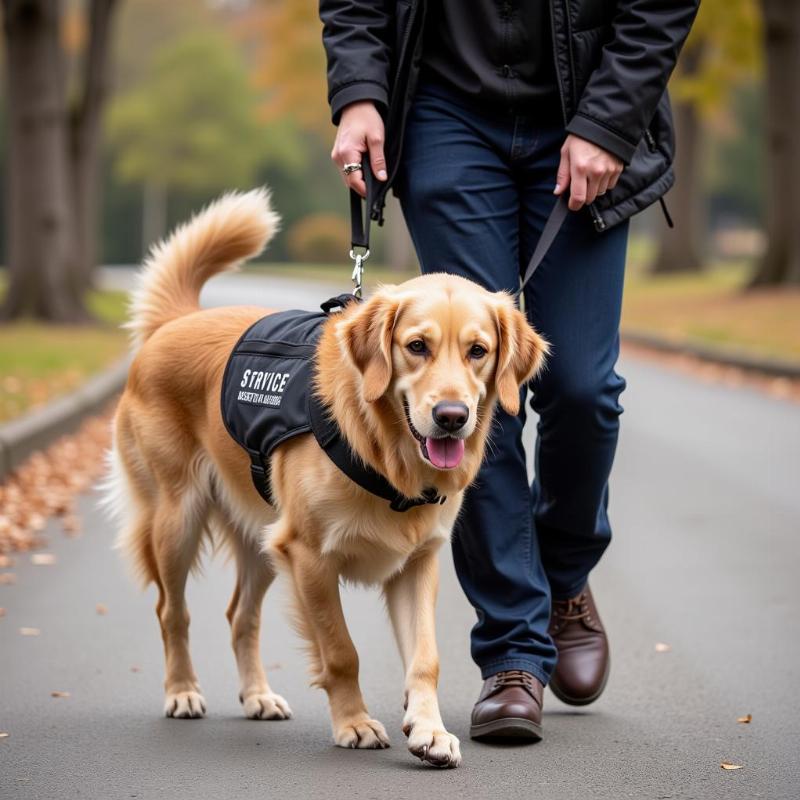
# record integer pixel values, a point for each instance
(254, 576)
(316, 586)
(176, 541)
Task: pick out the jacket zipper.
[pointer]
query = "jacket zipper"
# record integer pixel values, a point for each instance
(651, 142)
(555, 61)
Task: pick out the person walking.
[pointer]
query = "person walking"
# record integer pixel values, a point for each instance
(479, 115)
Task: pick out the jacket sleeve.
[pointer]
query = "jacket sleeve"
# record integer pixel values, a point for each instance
(621, 96)
(356, 35)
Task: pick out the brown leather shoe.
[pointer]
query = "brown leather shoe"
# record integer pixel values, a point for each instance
(509, 707)
(583, 658)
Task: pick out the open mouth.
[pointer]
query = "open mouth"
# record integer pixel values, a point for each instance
(444, 452)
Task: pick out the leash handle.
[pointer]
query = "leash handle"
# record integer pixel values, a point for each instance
(360, 224)
(551, 228)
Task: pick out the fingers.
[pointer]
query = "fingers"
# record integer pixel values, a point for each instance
(353, 180)
(376, 157)
(360, 135)
(579, 191)
(563, 174)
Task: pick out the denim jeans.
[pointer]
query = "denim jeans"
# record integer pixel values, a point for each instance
(476, 188)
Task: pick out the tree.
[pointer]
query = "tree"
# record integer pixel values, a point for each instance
(781, 262)
(721, 53)
(52, 137)
(189, 125)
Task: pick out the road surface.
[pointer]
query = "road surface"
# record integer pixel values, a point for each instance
(706, 506)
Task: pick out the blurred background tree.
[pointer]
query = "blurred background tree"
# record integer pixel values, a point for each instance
(187, 128)
(53, 132)
(722, 53)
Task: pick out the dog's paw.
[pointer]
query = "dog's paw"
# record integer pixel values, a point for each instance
(266, 705)
(435, 747)
(364, 734)
(185, 705)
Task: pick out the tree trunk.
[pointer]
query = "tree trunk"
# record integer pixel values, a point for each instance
(679, 248)
(85, 130)
(781, 262)
(41, 242)
(154, 214)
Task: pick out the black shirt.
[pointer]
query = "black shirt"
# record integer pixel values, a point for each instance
(496, 52)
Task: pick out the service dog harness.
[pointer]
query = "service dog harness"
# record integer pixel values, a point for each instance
(268, 397)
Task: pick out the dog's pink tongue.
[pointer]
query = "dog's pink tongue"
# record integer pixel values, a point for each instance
(445, 453)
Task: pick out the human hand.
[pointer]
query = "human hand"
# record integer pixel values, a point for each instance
(586, 170)
(360, 131)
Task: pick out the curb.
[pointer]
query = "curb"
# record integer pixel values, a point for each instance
(772, 367)
(34, 431)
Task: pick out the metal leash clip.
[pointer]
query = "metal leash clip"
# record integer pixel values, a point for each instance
(358, 271)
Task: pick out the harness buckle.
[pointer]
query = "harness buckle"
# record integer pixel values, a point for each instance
(358, 270)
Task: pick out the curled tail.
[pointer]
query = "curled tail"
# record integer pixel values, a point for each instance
(233, 228)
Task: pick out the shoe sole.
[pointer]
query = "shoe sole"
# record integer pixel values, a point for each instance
(581, 701)
(507, 728)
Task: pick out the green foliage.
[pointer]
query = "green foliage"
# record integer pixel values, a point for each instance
(724, 50)
(319, 238)
(191, 123)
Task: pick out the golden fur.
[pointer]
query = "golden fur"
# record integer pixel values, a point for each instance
(177, 475)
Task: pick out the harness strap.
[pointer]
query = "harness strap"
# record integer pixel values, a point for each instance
(330, 439)
(548, 236)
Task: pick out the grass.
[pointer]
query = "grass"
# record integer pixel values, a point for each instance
(40, 362)
(713, 309)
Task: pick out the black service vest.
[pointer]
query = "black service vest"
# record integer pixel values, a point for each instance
(267, 397)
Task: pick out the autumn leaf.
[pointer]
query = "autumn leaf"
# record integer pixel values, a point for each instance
(43, 559)
(2, 611)
(101, 609)
(59, 694)
(728, 765)
(4, 735)
(747, 718)
(29, 631)
(662, 647)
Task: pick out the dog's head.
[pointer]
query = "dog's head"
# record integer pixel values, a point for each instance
(440, 350)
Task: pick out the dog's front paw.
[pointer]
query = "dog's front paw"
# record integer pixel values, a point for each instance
(266, 705)
(364, 734)
(433, 746)
(185, 705)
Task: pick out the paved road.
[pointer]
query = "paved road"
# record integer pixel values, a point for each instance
(706, 506)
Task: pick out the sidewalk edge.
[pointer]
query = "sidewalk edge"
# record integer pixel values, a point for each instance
(38, 429)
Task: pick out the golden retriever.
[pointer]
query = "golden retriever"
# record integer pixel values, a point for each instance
(382, 367)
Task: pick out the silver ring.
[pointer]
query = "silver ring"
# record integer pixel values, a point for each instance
(348, 168)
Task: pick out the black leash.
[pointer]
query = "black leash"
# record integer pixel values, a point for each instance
(359, 225)
(548, 236)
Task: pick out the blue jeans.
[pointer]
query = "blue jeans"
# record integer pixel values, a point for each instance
(476, 188)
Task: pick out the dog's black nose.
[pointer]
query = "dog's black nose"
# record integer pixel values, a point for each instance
(450, 416)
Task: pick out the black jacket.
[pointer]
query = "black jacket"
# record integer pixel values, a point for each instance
(613, 59)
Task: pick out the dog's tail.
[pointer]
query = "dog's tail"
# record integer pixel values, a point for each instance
(235, 227)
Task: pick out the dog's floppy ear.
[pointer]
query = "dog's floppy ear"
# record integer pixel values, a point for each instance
(366, 337)
(520, 353)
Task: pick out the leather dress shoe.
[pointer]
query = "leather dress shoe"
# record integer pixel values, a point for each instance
(583, 658)
(509, 707)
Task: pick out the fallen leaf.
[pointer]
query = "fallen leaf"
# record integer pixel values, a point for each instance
(4, 735)
(662, 647)
(101, 609)
(29, 631)
(59, 694)
(43, 559)
(729, 765)
(2, 612)
(6, 562)
(7, 578)
(136, 669)
(745, 719)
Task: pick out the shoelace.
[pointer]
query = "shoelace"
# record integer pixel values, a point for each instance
(514, 677)
(572, 610)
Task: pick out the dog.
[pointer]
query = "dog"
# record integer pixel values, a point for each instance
(385, 369)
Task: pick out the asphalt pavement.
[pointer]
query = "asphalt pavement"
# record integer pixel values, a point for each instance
(705, 502)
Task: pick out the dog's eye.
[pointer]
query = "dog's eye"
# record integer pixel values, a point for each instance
(477, 351)
(417, 347)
